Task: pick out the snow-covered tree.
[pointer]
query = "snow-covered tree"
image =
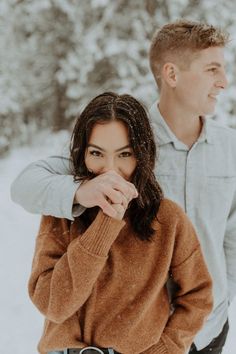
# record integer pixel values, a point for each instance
(57, 54)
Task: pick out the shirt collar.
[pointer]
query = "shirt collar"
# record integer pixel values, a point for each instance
(165, 135)
(206, 133)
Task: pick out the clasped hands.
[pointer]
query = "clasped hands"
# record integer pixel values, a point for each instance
(110, 191)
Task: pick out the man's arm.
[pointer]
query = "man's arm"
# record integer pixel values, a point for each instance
(47, 187)
(230, 249)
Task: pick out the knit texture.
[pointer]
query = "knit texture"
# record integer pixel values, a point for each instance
(105, 287)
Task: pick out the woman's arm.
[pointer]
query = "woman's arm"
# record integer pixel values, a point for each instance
(64, 272)
(193, 298)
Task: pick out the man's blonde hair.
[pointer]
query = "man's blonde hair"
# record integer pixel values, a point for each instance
(180, 41)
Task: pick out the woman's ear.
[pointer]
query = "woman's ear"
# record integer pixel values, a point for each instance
(170, 74)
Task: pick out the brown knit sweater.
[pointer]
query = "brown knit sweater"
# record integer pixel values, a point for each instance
(106, 287)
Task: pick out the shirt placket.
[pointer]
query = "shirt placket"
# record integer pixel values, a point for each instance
(190, 178)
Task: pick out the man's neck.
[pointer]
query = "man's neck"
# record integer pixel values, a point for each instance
(186, 127)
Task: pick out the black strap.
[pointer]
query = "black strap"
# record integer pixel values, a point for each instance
(89, 351)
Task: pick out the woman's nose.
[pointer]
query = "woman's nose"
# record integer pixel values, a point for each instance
(109, 165)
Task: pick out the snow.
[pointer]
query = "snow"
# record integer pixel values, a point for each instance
(20, 322)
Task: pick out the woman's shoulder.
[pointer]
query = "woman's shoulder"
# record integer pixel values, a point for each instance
(169, 208)
(169, 214)
(173, 224)
(53, 224)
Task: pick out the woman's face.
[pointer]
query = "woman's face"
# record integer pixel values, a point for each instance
(109, 149)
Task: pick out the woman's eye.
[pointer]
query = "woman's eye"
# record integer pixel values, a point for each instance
(95, 153)
(125, 154)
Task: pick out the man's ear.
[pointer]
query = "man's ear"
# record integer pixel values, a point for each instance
(170, 74)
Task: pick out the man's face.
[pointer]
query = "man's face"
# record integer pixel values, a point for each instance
(197, 87)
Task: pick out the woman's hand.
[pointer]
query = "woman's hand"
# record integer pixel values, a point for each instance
(107, 186)
(120, 211)
(120, 208)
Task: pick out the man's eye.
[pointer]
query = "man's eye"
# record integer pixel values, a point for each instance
(95, 153)
(213, 70)
(125, 154)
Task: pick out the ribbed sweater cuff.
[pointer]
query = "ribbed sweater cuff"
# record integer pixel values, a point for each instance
(101, 234)
(159, 348)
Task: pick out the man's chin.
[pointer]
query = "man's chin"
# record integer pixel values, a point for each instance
(209, 111)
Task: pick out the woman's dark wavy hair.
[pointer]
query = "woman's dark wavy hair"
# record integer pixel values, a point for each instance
(108, 107)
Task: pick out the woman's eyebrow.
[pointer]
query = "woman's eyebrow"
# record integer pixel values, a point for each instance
(96, 146)
(100, 148)
(124, 147)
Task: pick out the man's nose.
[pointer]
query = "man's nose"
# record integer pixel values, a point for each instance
(222, 81)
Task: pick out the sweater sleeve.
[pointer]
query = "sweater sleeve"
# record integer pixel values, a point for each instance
(193, 299)
(63, 272)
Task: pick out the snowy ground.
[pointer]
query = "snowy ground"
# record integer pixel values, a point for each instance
(20, 322)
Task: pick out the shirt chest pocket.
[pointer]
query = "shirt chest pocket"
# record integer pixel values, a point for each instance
(219, 193)
(219, 180)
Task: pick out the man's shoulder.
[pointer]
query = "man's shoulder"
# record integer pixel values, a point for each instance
(223, 136)
(221, 130)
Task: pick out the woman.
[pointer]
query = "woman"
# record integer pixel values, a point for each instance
(101, 282)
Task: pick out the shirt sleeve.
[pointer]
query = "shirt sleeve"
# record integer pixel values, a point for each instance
(47, 187)
(230, 249)
(64, 271)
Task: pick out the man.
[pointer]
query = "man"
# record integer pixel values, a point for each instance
(196, 165)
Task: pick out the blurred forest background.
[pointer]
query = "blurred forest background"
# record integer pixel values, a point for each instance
(57, 54)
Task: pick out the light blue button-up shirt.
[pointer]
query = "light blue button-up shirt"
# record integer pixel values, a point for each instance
(202, 179)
